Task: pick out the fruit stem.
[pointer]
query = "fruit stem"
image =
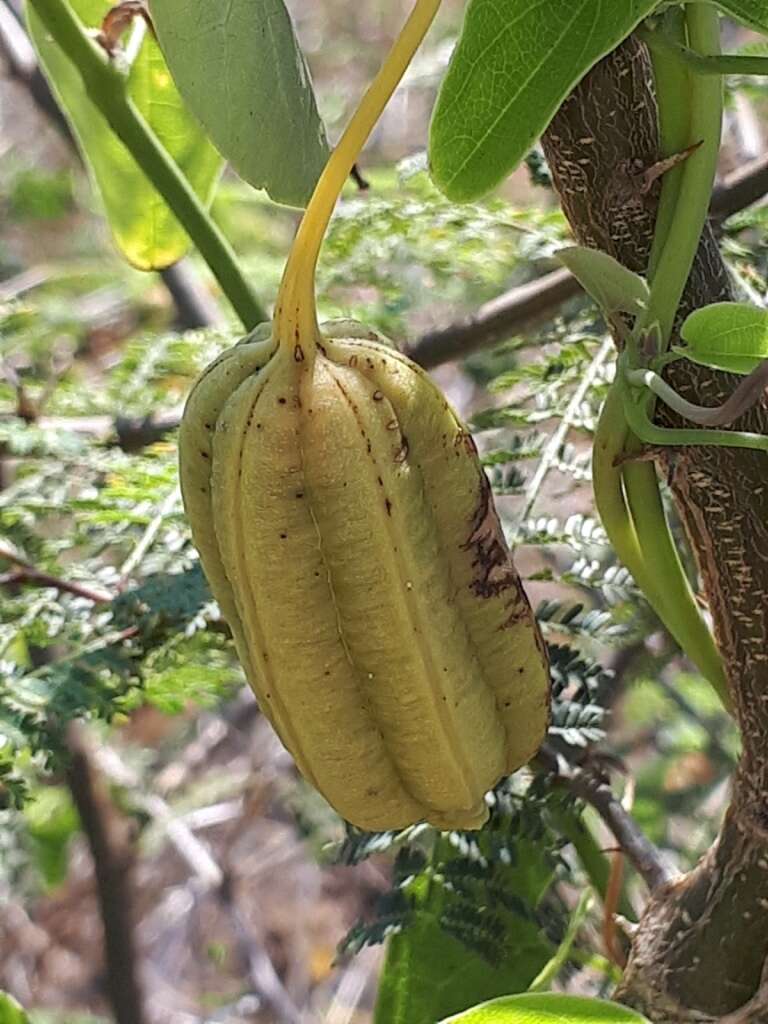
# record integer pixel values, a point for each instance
(295, 311)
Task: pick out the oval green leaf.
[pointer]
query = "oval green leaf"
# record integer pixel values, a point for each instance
(10, 1011)
(143, 226)
(613, 287)
(729, 336)
(547, 1008)
(750, 12)
(515, 63)
(240, 69)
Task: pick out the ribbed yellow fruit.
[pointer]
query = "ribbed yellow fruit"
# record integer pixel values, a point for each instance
(348, 532)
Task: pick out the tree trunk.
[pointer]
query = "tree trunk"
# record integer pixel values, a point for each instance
(703, 940)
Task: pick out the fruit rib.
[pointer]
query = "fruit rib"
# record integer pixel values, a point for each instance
(303, 676)
(442, 729)
(348, 531)
(198, 426)
(485, 587)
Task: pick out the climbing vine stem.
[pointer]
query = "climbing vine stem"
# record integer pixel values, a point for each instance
(626, 488)
(685, 226)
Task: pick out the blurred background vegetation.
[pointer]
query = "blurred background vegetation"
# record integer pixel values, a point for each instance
(245, 883)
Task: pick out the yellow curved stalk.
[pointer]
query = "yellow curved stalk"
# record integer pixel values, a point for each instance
(295, 311)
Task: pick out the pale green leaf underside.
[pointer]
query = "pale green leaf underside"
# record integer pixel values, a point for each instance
(514, 64)
(751, 12)
(727, 336)
(144, 228)
(548, 1008)
(239, 67)
(614, 288)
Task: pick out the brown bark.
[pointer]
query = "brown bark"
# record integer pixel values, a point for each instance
(703, 940)
(110, 842)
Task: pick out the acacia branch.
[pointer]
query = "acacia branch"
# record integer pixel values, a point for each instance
(529, 305)
(590, 785)
(513, 312)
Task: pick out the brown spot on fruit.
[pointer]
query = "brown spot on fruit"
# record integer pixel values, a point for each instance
(377, 396)
(464, 440)
(298, 354)
(402, 453)
(494, 571)
(388, 506)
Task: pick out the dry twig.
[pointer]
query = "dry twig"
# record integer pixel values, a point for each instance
(593, 788)
(112, 851)
(27, 573)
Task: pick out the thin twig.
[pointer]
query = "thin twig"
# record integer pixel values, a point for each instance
(593, 788)
(149, 535)
(27, 573)
(740, 189)
(351, 988)
(26, 281)
(112, 854)
(613, 947)
(511, 313)
(261, 971)
(43, 579)
(556, 441)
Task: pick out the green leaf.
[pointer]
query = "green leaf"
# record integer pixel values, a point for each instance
(240, 69)
(548, 1008)
(614, 288)
(10, 1011)
(144, 228)
(515, 63)
(729, 336)
(751, 12)
(429, 973)
(51, 822)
